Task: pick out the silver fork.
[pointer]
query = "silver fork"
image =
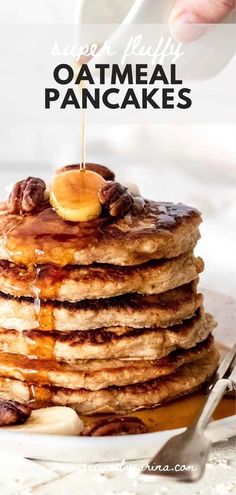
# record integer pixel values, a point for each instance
(184, 456)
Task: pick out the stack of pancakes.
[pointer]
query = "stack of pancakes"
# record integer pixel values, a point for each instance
(103, 316)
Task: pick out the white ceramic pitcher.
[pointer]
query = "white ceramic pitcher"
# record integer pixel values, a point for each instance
(203, 59)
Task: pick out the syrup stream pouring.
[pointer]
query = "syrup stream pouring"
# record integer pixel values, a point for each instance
(192, 447)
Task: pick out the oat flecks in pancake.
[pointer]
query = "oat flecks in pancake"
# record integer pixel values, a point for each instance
(119, 400)
(162, 230)
(133, 310)
(96, 374)
(75, 283)
(111, 342)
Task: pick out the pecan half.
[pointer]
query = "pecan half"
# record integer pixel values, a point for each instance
(105, 172)
(117, 425)
(115, 198)
(12, 412)
(26, 195)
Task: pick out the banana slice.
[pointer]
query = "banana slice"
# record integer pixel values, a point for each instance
(74, 195)
(57, 420)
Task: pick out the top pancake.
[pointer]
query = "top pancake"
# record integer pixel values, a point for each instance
(162, 230)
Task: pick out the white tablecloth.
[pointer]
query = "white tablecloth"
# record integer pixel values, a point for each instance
(26, 478)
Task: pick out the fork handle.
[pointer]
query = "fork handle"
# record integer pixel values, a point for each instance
(211, 403)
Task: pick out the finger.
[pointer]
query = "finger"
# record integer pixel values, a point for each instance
(186, 16)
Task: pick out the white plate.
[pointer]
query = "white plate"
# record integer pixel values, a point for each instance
(103, 449)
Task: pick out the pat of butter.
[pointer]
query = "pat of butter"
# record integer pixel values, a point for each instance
(132, 188)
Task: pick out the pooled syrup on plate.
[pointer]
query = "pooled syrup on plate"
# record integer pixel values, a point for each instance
(181, 412)
(177, 414)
